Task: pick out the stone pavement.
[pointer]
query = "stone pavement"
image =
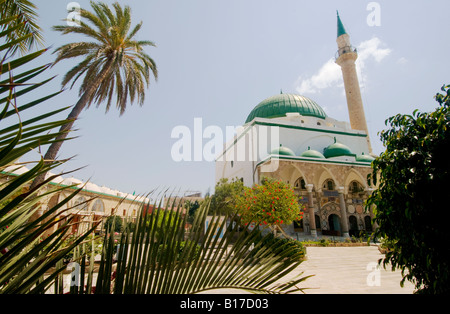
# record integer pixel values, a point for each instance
(349, 270)
(346, 270)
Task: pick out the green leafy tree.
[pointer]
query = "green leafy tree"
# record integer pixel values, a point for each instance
(176, 266)
(113, 224)
(226, 194)
(115, 67)
(29, 265)
(412, 177)
(271, 203)
(191, 208)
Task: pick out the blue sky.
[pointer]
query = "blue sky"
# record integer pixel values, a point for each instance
(218, 59)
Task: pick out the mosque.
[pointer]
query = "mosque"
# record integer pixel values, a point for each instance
(93, 203)
(290, 137)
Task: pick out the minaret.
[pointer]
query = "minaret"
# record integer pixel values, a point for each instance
(346, 57)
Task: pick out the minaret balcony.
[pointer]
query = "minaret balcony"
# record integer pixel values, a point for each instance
(344, 50)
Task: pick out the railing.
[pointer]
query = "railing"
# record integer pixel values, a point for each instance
(344, 50)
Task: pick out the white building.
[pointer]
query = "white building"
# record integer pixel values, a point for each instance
(93, 203)
(290, 137)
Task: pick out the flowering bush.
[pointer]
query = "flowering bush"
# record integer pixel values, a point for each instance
(271, 203)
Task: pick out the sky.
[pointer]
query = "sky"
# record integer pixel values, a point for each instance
(217, 59)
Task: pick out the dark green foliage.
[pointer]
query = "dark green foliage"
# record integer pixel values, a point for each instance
(192, 209)
(225, 196)
(155, 258)
(28, 247)
(411, 198)
(287, 247)
(114, 224)
(31, 261)
(179, 249)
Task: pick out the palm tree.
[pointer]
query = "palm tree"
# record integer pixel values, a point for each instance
(24, 258)
(20, 27)
(114, 63)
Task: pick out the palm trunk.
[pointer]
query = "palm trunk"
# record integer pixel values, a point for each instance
(50, 155)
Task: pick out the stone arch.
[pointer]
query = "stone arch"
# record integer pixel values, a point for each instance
(354, 175)
(330, 208)
(353, 225)
(299, 184)
(301, 174)
(334, 223)
(98, 206)
(324, 175)
(81, 203)
(331, 213)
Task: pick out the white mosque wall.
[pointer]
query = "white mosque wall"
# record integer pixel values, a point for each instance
(298, 137)
(298, 133)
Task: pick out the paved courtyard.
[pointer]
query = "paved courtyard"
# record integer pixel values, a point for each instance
(346, 270)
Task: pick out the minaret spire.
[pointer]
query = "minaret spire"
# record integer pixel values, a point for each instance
(346, 57)
(340, 26)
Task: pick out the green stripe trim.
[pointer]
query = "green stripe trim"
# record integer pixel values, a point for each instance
(314, 160)
(84, 190)
(309, 129)
(296, 127)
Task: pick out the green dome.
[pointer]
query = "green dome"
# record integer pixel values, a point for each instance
(336, 150)
(364, 158)
(282, 151)
(278, 105)
(311, 153)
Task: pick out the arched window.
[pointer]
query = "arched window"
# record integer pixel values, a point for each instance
(353, 222)
(300, 184)
(81, 204)
(317, 221)
(368, 223)
(98, 206)
(298, 225)
(355, 187)
(329, 185)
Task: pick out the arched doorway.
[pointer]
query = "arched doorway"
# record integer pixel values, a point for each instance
(334, 224)
(298, 226)
(368, 223)
(353, 230)
(317, 221)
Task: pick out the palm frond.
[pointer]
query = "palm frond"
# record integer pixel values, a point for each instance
(20, 21)
(113, 42)
(157, 257)
(29, 247)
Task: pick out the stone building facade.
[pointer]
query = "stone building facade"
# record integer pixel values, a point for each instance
(92, 204)
(290, 137)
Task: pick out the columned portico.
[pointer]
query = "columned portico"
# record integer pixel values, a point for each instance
(344, 219)
(326, 161)
(312, 221)
(369, 192)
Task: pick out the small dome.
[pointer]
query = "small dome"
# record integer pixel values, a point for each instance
(311, 153)
(364, 158)
(336, 150)
(279, 105)
(282, 151)
(93, 187)
(71, 181)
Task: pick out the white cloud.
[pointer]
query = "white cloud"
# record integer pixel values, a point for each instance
(330, 75)
(402, 60)
(370, 49)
